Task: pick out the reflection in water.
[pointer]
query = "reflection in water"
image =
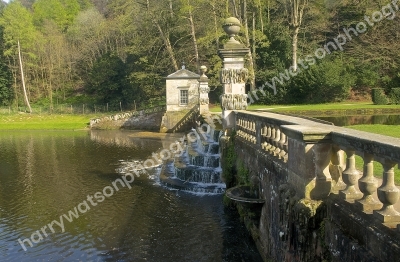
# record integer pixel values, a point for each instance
(363, 120)
(45, 174)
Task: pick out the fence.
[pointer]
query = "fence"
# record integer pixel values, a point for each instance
(73, 109)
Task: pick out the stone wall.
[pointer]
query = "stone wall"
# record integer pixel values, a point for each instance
(141, 121)
(313, 209)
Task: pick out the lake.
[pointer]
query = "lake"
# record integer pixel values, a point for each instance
(362, 120)
(45, 174)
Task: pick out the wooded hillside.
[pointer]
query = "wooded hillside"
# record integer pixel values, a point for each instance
(100, 51)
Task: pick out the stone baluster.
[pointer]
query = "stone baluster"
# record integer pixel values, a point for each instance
(272, 139)
(368, 185)
(388, 194)
(286, 148)
(276, 150)
(268, 137)
(283, 146)
(280, 143)
(350, 178)
(336, 169)
(254, 130)
(263, 136)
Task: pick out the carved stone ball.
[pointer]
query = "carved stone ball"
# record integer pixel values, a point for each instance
(231, 26)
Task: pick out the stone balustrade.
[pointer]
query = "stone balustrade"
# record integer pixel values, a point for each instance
(360, 190)
(264, 131)
(323, 157)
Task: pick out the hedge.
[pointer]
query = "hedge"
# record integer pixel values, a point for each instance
(395, 95)
(379, 97)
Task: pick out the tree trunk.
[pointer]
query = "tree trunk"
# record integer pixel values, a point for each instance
(168, 45)
(193, 33)
(171, 10)
(251, 62)
(294, 48)
(215, 23)
(164, 37)
(254, 40)
(295, 10)
(235, 11)
(23, 79)
(260, 14)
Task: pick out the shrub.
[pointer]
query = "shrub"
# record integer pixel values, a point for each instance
(379, 97)
(328, 81)
(395, 95)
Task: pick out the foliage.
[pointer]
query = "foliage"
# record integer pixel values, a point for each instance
(64, 40)
(108, 82)
(6, 92)
(395, 95)
(62, 12)
(229, 162)
(379, 97)
(327, 81)
(242, 175)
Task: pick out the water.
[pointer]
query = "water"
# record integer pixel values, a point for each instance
(198, 168)
(363, 120)
(43, 175)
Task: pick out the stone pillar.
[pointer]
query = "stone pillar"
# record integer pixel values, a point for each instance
(233, 74)
(309, 156)
(204, 89)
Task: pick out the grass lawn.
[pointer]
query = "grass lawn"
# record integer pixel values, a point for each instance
(24, 121)
(387, 130)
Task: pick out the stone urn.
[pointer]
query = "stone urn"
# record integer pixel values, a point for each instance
(231, 27)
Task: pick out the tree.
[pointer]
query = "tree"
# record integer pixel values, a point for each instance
(23, 79)
(295, 11)
(62, 12)
(108, 82)
(6, 92)
(18, 26)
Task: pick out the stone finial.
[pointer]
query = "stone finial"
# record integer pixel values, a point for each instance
(232, 27)
(183, 65)
(203, 70)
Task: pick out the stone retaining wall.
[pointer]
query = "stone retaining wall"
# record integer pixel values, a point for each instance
(141, 121)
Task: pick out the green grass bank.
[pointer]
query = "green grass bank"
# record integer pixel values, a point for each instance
(24, 121)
